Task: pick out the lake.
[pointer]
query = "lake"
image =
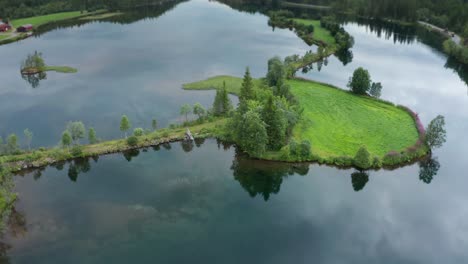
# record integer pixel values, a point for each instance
(205, 202)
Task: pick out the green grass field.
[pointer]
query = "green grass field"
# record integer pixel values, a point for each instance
(40, 20)
(320, 33)
(61, 69)
(336, 122)
(4, 36)
(233, 84)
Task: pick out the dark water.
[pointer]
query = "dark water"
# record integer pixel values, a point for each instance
(205, 203)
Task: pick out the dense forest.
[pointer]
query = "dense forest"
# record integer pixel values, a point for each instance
(27, 8)
(452, 14)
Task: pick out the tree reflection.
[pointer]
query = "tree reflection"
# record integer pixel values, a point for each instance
(17, 224)
(345, 56)
(261, 177)
(359, 180)
(428, 168)
(34, 79)
(130, 154)
(78, 166)
(187, 145)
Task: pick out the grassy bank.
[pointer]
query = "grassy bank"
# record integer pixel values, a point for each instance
(42, 20)
(320, 33)
(61, 69)
(338, 123)
(101, 16)
(233, 84)
(44, 157)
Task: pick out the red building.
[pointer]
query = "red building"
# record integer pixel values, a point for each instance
(25, 28)
(4, 27)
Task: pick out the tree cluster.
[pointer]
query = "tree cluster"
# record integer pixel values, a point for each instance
(361, 83)
(265, 116)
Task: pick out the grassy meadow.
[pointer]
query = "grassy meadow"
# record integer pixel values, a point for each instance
(337, 122)
(41, 20)
(320, 33)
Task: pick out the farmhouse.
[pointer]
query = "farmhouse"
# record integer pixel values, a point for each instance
(4, 27)
(25, 28)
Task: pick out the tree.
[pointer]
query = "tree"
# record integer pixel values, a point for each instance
(199, 110)
(360, 82)
(77, 131)
(92, 136)
(132, 141)
(247, 89)
(154, 124)
(435, 132)
(362, 159)
(12, 144)
(125, 124)
(276, 72)
(376, 90)
(137, 132)
(186, 109)
(222, 104)
(305, 149)
(66, 139)
(29, 136)
(276, 124)
(252, 134)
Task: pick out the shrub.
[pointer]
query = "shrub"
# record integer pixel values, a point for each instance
(293, 148)
(165, 134)
(132, 141)
(76, 151)
(343, 161)
(305, 148)
(392, 158)
(362, 158)
(138, 132)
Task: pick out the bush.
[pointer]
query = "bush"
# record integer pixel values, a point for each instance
(132, 141)
(138, 132)
(76, 151)
(305, 148)
(165, 134)
(362, 158)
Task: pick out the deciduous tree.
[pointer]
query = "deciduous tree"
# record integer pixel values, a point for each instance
(125, 124)
(435, 132)
(360, 82)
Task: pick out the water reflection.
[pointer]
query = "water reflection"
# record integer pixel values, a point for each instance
(428, 169)
(34, 79)
(261, 177)
(359, 180)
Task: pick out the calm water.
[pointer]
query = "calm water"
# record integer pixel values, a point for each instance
(204, 203)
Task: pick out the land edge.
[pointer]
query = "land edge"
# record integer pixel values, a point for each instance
(36, 70)
(22, 36)
(404, 158)
(18, 163)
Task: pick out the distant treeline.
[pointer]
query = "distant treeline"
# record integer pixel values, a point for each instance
(10, 9)
(451, 14)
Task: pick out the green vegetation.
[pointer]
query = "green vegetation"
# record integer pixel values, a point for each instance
(320, 33)
(61, 69)
(436, 134)
(456, 51)
(232, 84)
(125, 124)
(337, 124)
(4, 36)
(41, 20)
(34, 64)
(101, 16)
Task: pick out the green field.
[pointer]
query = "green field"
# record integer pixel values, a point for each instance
(61, 69)
(320, 33)
(101, 16)
(40, 20)
(4, 36)
(336, 122)
(233, 84)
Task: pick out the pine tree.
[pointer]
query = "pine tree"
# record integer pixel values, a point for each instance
(247, 90)
(276, 124)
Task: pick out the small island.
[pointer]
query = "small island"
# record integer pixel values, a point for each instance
(34, 64)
